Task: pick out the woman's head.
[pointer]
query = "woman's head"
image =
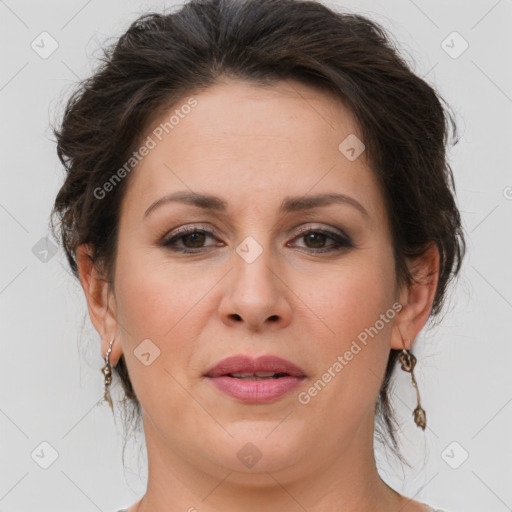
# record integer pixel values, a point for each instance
(262, 106)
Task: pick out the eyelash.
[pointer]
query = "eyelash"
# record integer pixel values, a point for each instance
(342, 242)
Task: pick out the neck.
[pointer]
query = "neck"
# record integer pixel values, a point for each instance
(347, 482)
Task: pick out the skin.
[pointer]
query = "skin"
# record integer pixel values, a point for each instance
(253, 146)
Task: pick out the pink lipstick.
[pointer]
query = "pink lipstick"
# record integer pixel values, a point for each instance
(260, 380)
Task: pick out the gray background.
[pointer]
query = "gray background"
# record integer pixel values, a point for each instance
(50, 360)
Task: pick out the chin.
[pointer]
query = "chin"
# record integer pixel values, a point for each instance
(260, 447)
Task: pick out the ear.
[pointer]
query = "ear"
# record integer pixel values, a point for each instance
(416, 299)
(100, 302)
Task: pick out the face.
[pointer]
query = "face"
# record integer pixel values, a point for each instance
(266, 268)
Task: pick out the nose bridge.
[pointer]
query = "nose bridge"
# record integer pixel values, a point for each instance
(254, 279)
(256, 294)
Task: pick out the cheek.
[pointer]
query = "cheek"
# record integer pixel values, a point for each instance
(151, 294)
(169, 304)
(354, 297)
(154, 302)
(357, 316)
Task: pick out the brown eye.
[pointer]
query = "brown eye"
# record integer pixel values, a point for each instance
(193, 240)
(196, 239)
(316, 239)
(189, 238)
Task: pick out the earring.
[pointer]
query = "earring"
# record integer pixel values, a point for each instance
(408, 362)
(107, 372)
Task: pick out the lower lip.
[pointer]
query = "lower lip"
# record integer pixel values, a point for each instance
(256, 391)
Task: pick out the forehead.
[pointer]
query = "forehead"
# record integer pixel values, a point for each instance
(243, 141)
(282, 113)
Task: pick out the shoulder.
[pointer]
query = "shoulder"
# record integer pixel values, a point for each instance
(423, 507)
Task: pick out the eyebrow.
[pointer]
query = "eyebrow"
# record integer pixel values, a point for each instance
(288, 205)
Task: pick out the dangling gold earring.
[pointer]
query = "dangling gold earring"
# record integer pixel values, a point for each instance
(408, 362)
(107, 372)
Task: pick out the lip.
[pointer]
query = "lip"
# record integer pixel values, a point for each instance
(257, 391)
(266, 363)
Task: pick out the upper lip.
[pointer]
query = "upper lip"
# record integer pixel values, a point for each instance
(248, 364)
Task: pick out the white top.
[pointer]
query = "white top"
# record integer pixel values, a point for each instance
(432, 510)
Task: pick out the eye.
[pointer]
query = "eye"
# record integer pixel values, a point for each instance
(191, 238)
(315, 240)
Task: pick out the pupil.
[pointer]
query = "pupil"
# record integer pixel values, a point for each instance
(311, 237)
(195, 241)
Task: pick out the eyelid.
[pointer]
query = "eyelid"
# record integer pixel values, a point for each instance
(190, 227)
(321, 228)
(293, 232)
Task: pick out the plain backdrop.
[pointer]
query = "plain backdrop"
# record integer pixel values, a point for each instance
(61, 451)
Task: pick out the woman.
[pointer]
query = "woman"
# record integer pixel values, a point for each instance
(260, 212)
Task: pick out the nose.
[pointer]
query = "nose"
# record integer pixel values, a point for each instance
(256, 296)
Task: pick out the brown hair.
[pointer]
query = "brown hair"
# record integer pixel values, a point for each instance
(161, 58)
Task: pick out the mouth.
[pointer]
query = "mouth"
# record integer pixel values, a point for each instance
(258, 375)
(264, 367)
(265, 379)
